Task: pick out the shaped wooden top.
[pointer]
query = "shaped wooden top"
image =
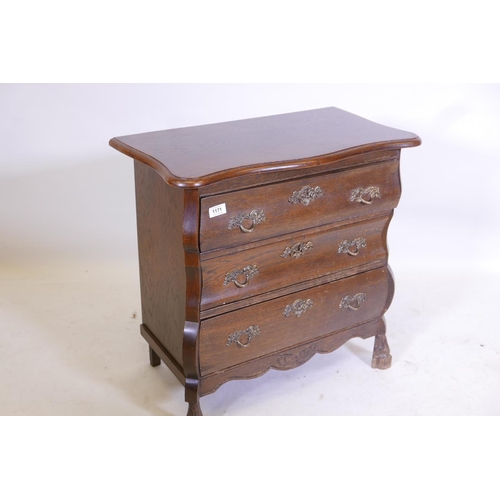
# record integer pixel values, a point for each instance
(196, 156)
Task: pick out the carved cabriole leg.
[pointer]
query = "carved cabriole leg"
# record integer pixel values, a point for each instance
(382, 358)
(154, 359)
(194, 410)
(192, 392)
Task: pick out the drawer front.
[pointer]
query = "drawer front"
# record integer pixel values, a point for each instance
(253, 214)
(301, 257)
(239, 336)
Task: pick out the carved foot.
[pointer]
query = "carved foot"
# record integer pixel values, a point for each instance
(381, 353)
(194, 410)
(154, 359)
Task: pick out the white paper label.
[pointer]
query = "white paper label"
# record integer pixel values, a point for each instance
(217, 210)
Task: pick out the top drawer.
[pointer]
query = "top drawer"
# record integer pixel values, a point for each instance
(267, 211)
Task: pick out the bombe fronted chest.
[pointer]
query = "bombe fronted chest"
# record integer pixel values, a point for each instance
(263, 241)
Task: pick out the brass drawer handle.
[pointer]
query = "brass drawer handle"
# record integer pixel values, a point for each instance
(305, 195)
(352, 302)
(250, 333)
(255, 217)
(297, 250)
(365, 196)
(352, 247)
(247, 272)
(298, 307)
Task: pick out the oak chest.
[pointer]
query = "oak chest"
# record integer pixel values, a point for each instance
(263, 241)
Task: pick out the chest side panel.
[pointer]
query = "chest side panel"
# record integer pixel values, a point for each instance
(161, 258)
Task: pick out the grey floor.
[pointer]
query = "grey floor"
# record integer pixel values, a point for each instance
(70, 345)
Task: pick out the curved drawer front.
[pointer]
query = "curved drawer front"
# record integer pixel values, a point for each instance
(253, 214)
(239, 336)
(301, 257)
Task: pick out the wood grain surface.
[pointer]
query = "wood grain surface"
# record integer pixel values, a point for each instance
(282, 216)
(289, 358)
(161, 258)
(275, 271)
(197, 156)
(223, 302)
(191, 333)
(278, 331)
(307, 168)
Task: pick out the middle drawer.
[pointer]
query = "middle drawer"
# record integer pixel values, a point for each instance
(300, 257)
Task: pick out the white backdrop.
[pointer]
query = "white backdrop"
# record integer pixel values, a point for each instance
(68, 260)
(66, 195)
(69, 291)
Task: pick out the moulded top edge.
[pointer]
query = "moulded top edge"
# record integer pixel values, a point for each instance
(196, 156)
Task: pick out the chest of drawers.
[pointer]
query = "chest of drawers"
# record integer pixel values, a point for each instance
(263, 242)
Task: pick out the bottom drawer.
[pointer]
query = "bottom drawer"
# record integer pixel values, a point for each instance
(246, 334)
